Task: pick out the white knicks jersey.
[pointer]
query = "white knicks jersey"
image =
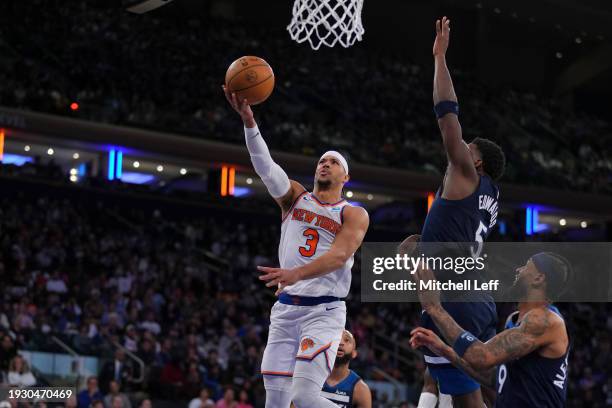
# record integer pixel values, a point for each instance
(307, 232)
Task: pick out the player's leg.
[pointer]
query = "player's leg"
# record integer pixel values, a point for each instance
(480, 318)
(321, 331)
(279, 356)
(429, 393)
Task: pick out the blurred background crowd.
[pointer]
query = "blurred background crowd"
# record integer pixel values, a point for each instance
(167, 73)
(132, 274)
(176, 285)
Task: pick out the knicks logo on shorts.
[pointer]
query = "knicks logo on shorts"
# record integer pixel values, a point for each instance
(306, 344)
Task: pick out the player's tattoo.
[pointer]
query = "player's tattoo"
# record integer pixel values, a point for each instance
(487, 377)
(508, 345)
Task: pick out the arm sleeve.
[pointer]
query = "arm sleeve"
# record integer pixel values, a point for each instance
(273, 176)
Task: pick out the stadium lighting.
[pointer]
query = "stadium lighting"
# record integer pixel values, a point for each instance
(1, 143)
(532, 223)
(562, 222)
(370, 197)
(50, 151)
(74, 179)
(160, 168)
(74, 106)
(583, 224)
(73, 172)
(26, 148)
(349, 194)
(430, 199)
(559, 55)
(136, 164)
(75, 156)
(249, 180)
(183, 171)
(578, 40)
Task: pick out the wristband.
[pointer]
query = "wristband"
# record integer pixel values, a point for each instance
(444, 107)
(464, 342)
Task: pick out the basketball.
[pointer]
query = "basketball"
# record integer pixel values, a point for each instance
(251, 78)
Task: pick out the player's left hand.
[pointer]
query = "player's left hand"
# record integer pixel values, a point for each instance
(429, 298)
(424, 337)
(442, 37)
(279, 277)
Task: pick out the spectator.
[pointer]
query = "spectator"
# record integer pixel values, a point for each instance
(244, 400)
(19, 373)
(86, 397)
(228, 400)
(119, 369)
(7, 352)
(114, 392)
(146, 403)
(201, 400)
(99, 404)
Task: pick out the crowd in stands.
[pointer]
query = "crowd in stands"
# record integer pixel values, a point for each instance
(164, 71)
(178, 289)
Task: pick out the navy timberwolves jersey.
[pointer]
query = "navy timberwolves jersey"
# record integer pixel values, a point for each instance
(532, 380)
(341, 394)
(467, 220)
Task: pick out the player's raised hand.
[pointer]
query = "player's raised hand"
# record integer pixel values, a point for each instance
(241, 106)
(442, 36)
(278, 277)
(421, 337)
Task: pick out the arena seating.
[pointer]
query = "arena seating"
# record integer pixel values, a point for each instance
(176, 284)
(103, 59)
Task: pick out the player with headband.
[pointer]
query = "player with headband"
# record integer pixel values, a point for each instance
(320, 233)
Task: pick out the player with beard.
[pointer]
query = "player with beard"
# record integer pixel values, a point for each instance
(527, 363)
(320, 232)
(344, 387)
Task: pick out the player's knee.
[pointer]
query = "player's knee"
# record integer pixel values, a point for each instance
(304, 393)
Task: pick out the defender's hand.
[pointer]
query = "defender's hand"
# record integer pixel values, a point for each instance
(421, 337)
(430, 298)
(279, 277)
(240, 106)
(442, 36)
(408, 245)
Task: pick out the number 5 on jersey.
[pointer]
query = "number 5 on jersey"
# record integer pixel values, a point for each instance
(312, 240)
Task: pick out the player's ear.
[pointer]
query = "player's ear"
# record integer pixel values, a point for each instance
(346, 178)
(539, 280)
(354, 354)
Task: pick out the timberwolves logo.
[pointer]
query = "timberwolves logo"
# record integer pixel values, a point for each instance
(251, 75)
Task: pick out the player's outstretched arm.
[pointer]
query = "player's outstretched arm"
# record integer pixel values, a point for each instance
(445, 105)
(283, 190)
(362, 396)
(348, 239)
(427, 338)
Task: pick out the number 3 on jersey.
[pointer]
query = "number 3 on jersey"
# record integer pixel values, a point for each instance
(310, 247)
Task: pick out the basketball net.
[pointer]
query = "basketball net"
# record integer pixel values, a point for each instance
(326, 22)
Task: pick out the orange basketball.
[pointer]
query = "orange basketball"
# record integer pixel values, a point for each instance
(251, 78)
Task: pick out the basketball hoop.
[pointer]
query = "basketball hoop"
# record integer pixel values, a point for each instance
(326, 22)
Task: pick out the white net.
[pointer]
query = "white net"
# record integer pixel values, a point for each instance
(326, 22)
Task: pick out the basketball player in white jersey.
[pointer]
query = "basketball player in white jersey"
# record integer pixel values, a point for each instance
(320, 234)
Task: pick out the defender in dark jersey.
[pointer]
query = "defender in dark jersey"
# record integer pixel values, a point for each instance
(528, 362)
(344, 387)
(464, 211)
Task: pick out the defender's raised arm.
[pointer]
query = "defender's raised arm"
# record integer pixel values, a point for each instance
(446, 106)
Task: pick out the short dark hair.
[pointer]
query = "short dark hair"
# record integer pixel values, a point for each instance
(493, 157)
